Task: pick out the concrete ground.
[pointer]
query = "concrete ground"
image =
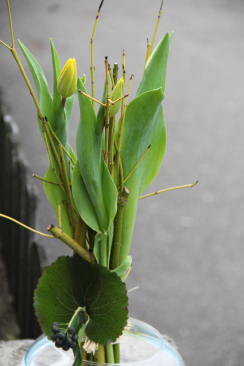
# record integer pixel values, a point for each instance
(188, 244)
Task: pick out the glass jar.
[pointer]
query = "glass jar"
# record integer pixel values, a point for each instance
(141, 345)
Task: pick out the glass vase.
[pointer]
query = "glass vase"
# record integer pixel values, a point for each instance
(141, 345)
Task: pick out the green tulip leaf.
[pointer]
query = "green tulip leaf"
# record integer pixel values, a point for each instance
(123, 267)
(56, 197)
(59, 120)
(71, 282)
(58, 111)
(94, 172)
(154, 76)
(144, 125)
(83, 201)
(45, 98)
(72, 154)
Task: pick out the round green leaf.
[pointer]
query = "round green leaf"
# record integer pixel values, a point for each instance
(71, 282)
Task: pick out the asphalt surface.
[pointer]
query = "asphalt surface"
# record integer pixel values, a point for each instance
(188, 244)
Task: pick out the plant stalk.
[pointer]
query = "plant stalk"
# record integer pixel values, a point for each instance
(115, 73)
(80, 232)
(109, 353)
(61, 235)
(67, 189)
(115, 251)
(168, 189)
(100, 354)
(116, 353)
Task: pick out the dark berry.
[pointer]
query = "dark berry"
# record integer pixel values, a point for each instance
(55, 329)
(65, 347)
(75, 337)
(71, 330)
(58, 343)
(68, 341)
(54, 337)
(56, 324)
(61, 336)
(73, 345)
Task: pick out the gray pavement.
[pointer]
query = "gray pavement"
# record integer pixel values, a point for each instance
(188, 245)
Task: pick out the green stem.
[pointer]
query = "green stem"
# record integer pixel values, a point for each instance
(103, 252)
(128, 176)
(111, 76)
(67, 189)
(83, 253)
(92, 57)
(123, 64)
(115, 251)
(75, 314)
(100, 354)
(116, 353)
(25, 226)
(168, 189)
(90, 357)
(115, 73)
(109, 353)
(112, 125)
(50, 160)
(60, 143)
(44, 180)
(50, 140)
(80, 232)
(84, 355)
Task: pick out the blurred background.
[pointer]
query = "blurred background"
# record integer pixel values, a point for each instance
(188, 244)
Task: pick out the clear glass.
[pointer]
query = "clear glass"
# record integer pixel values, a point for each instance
(141, 345)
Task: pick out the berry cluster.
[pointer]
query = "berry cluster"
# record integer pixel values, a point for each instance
(66, 340)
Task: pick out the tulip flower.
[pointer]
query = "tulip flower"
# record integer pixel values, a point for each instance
(117, 92)
(67, 79)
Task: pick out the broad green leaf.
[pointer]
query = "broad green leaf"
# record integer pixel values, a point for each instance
(45, 98)
(71, 282)
(171, 36)
(94, 172)
(58, 111)
(56, 196)
(123, 267)
(72, 154)
(154, 76)
(68, 108)
(83, 79)
(82, 200)
(52, 109)
(143, 126)
(102, 246)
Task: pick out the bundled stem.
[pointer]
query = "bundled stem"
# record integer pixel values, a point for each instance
(83, 253)
(100, 355)
(67, 189)
(80, 232)
(118, 221)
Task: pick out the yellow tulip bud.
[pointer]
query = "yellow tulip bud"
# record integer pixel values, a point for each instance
(67, 79)
(117, 92)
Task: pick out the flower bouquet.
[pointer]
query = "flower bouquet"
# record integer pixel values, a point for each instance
(81, 301)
